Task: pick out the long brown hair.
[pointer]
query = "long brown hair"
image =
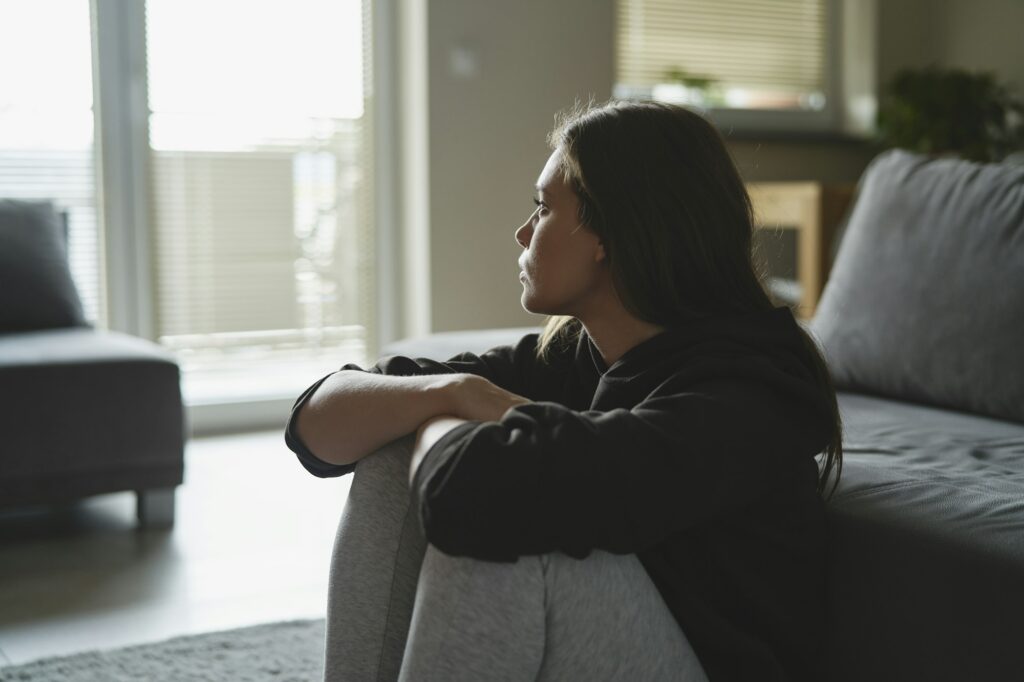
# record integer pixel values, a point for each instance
(652, 180)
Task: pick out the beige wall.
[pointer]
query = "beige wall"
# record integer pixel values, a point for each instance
(978, 35)
(498, 71)
(827, 161)
(986, 35)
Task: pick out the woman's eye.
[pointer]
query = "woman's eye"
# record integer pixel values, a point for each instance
(539, 204)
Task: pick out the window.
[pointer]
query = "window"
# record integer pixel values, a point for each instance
(261, 195)
(749, 63)
(233, 143)
(46, 126)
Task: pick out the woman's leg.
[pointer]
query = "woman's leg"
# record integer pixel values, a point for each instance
(476, 620)
(374, 570)
(397, 603)
(548, 617)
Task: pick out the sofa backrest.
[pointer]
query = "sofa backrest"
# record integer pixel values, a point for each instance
(925, 302)
(36, 288)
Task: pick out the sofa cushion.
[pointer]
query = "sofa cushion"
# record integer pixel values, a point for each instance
(36, 289)
(926, 298)
(926, 545)
(85, 412)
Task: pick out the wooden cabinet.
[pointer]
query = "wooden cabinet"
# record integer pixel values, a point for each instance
(813, 210)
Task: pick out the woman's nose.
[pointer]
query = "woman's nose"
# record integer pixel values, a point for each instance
(523, 234)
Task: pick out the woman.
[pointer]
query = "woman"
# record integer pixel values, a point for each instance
(632, 493)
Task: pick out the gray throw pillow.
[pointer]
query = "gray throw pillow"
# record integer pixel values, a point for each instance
(36, 289)
(925, 302)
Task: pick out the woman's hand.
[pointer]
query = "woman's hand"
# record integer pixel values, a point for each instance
(470, 398)
(474, 398)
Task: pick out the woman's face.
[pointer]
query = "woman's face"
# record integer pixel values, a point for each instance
(562, 261)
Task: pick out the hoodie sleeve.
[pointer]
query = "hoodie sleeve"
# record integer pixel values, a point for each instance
(547, 478)
(509, 367)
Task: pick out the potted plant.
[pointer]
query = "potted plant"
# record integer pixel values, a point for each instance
(682, 87)
(950, 111)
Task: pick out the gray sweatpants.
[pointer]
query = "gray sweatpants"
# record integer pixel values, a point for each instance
(400, 609)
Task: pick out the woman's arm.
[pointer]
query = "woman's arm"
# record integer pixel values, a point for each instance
(548, 478)
(353, 413)
(348, 414)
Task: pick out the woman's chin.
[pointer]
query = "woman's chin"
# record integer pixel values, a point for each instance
(533, 307)
(530, 304)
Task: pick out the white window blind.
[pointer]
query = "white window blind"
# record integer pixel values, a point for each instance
(46, 125)
(750, 54)
(262, 204)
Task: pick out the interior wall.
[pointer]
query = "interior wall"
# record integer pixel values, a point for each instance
(908, 35)
(499, 71)
(984, 35)
(977, 35)
(833, 160)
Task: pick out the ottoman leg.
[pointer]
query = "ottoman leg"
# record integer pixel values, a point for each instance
(155, 507)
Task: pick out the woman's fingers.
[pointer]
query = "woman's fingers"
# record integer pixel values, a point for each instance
(478, 399)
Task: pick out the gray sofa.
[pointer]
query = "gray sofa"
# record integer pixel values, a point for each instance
(83, 411)
(922, 323)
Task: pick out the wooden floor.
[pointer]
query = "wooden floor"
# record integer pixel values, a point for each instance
(251, 544)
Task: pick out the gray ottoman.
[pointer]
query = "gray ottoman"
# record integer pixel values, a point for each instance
(85, 412)
(82, 411)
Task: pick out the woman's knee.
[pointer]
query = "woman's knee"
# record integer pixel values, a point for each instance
(387, 465)
(378, 499)
(374, 569)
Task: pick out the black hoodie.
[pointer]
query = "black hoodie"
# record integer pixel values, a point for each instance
(695, 451)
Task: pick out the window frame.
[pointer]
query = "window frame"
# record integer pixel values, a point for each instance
(830, 119)
(124, 191)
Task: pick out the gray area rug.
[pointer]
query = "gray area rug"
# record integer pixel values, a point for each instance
(280, 652)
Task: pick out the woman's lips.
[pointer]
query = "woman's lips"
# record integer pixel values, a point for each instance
(522, 271)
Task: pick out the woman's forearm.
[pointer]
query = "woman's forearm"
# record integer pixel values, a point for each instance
(353, 413)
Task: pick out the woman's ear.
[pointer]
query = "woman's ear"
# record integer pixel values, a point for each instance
(599, 254)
